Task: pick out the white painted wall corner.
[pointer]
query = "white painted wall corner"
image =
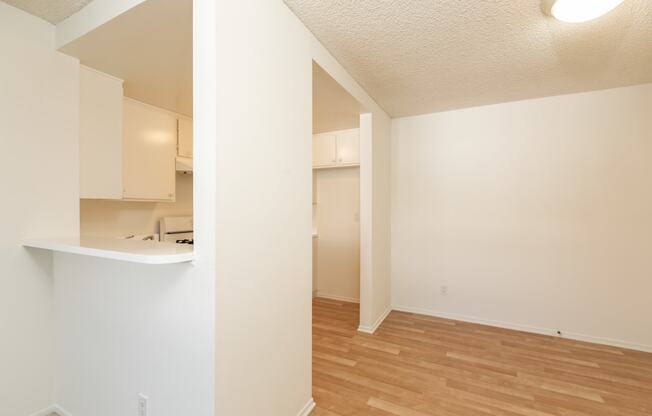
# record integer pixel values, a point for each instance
(56, 409)
(308, 408)
(371, 329)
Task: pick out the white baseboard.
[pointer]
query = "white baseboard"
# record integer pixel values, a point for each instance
(308, 408)
(45, 412)
(336, 297)
(52, 409)
(526, 328)
(61, 412)
(371, 329)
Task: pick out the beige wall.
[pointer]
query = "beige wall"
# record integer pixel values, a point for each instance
(338, 225)
(535, 214)
(40, 194)
(120, 218)
(333, 108)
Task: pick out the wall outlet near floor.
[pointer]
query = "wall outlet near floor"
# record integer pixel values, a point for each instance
(443, 290)
(142, 405)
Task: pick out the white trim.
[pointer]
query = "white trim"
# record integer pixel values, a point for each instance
(308, 408)
(336, 297)
(45, 412)
(374, 327)
(61, 412)
(52, 409)
(526, 328)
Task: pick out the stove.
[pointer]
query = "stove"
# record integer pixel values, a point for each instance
(177, 230)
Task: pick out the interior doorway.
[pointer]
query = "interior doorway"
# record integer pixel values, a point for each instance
(336, 191)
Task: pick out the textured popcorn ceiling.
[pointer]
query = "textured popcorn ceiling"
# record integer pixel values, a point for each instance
(421, 56)
(54, 11)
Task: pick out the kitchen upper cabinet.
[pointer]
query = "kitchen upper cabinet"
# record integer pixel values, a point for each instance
(184, 147)
(336, 149)
(100, 135)
(128, 149)
(324, 150)
(150, 149)
(348, 147)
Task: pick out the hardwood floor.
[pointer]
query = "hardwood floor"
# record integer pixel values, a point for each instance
(417, 365)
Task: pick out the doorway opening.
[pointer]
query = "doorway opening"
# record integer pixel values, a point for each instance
(336, 191)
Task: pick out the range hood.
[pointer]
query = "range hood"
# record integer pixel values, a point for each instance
(184, 164)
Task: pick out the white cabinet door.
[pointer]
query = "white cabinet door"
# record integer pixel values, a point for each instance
(324, 150)
(348, 147)
(100, 135)
(185, 137)
(150, 147)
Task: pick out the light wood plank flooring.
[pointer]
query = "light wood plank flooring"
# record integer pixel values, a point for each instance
(416, 366)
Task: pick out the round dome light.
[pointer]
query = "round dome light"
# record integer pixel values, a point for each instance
(578, 11)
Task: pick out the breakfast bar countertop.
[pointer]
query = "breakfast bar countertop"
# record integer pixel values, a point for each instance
(129, 250)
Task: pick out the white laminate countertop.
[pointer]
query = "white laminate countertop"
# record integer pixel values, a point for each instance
(134, 251)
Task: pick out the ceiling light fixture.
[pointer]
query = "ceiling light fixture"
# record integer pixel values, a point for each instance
(578, 11)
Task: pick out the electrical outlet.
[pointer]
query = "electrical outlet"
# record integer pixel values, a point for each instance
(142, 405)
(443, 290)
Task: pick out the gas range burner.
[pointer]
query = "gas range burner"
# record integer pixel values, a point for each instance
(186, 241)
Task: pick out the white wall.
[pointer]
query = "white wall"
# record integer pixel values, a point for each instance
(263, 206)
(535, 214)
(120, 218)
(381, 220)
(338, 226)
(264, 287)
(125, 329)
(38, 111)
